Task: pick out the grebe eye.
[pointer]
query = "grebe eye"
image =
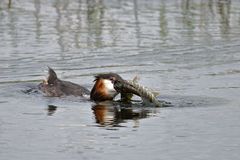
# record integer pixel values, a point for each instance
(112, 79)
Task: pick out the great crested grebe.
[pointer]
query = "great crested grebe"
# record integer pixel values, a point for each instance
(54, 87)
(108, 85)
(104, 88)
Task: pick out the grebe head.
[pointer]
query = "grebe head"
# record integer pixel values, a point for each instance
(103, 88)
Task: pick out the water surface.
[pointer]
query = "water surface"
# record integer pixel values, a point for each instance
(188, 50)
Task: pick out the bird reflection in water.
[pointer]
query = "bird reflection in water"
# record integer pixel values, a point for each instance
(112, 115)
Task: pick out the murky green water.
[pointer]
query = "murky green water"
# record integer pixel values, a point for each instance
(188, 50)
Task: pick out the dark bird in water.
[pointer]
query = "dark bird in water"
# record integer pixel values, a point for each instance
(54, 87)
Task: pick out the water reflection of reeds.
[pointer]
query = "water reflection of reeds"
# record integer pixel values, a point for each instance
(96, 23)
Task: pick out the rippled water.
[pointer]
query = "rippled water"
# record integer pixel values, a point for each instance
(188, 50)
